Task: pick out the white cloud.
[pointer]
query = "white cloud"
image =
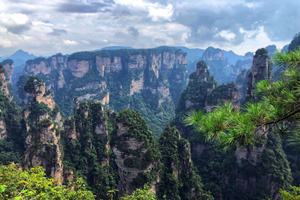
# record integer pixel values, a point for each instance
(2, 6)
(13, 19)
(70, 42)
(256, 39)
(158, 13)
(228, 35)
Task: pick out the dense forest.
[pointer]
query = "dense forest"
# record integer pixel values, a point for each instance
(129, 124)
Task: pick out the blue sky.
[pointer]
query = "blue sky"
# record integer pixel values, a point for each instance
(47, 27)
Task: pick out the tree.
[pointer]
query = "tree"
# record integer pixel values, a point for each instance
(141, 194)
(294, 195)
(279, 105)
(32, 184)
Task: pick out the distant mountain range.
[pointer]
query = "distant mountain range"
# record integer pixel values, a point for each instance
(194, 55)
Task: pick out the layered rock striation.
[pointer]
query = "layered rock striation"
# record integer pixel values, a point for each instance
(118, 79)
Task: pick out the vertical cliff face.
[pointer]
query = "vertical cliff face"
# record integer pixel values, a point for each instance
(43, 124)
(178, 176)
(211, 54)
(227, 175)
(11, 140)
(258, 172)
(8, 66)
(220, 67)
(260, 70)
(200, 85)
(150, 80)
(50, 70)
(87, 150)
(202, 92)
(241, 83)
(135, 152)
(5, 96)
(3, 83)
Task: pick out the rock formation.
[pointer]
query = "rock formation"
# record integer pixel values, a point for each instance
(241, 83)
(177, 168)
(202, 92)
(221, 94)
(3, 83)
(119, 79)
(87, 149)
(260, 70)
(8, 66)
(220, 67)
(135, 152)
(11, 142)
(43, 125)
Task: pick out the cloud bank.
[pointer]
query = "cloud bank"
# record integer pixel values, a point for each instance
(51, 26)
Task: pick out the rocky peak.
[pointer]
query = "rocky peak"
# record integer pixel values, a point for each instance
(8, 66)
(248, 56)
(37, 88)
(271, 50)
(202, 71)
(261, 70)
(212, 54)
(3, 84)
(43, 124)
(134, 149)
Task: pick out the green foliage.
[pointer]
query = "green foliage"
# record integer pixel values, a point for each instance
(20, 85)
(86, 153)
(261, 52)
(291, 195)
(32, 184)
(36, 110)
(138, 125)
(156, 109)
(37, 60)
(294, 45)
(1, 69)
(7, 61)
(11, 148)
(138, 129)
(141, 194)
(32, 83)
(221, 93)
(179, 179)
(279, 102)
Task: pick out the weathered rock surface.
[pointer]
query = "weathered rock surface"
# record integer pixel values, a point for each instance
(3, 83)
(8, 66)
(3, 132)
(42, 140)
(119, 79)
(132, 150)
(260, 70)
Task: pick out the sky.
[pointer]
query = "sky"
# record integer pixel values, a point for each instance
(47, 27)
